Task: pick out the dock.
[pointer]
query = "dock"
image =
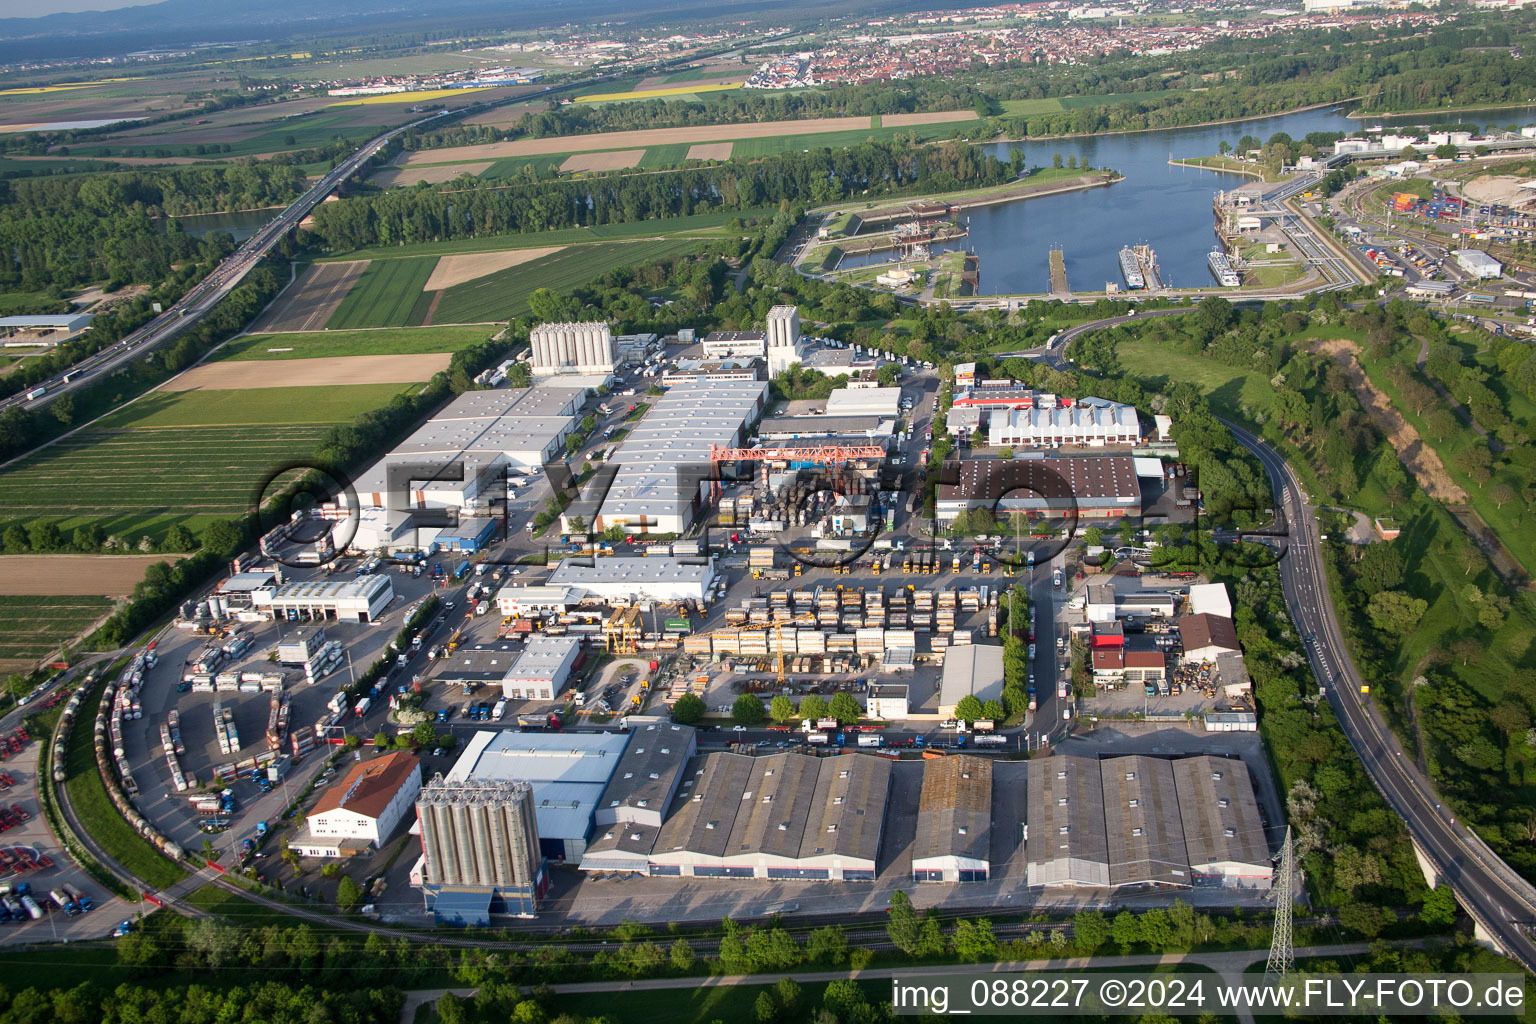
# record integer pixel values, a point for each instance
(1059, 273)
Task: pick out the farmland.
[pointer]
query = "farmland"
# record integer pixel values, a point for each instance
(48, 576)
(503, 295)
(701, 225)
(322, 344)
(31, 628)
(385, 296)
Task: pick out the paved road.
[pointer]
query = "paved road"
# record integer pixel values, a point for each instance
(1500, 901)
(207, 293)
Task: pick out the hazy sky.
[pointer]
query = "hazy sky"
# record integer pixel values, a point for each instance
(37, 8)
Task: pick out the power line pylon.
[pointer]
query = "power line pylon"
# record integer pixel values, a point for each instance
(1282, 952)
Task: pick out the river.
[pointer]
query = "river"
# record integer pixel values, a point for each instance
(1165, 206)
(241, 224)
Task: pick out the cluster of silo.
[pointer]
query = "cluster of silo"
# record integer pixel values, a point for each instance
(573, 348)
(479, 832)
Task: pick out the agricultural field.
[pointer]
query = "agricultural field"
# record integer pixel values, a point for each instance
(386, 295)
(311, 299)
(32, 628)
(503, 295)
(184, 457)
(665, 156)
(698, 226)
(324, 344)
(316, 372)
(43, 577)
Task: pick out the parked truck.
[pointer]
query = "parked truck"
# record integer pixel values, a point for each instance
(867, 740)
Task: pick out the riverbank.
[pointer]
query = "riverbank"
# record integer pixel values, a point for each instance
(967, 199)
(1226, 167)
(1182, 127)
(1377, 114)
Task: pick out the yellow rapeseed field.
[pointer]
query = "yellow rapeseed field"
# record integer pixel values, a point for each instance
(419, 96)
(679, 90)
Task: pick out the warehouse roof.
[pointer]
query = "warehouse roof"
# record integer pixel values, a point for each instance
(1220, 815)
(544, 659)
(1067, 844)
(1054, 481)
(708, 800)
(1210, 599)
(364, 587)
(650, 766)
(972, 669)
(848, 810)
(774, 806)
(67, 322)
(1144, 831)
(369, 787)
(1200, 631)
(535, 757)
(824, 426)
(610, 572)
(863, 401)
(540, 595)
(954, 812)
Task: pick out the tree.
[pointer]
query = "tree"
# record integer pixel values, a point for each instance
(1446, 151)
(349, 895)
(1441, 423)
(748, 710)
(973, 940)
(1056, 161)
(44, 535)
(1395, 612)
(382, 740)
(765, 1009)
(813, 706)
(1126, 930)
(993, 709)
(781, 709)
(177, 539)
(424, 733)
(1476, 461)
(1380, 568)
(682, 956)
(1090, 929)
(888, 374)
(901, 925)
(222, 538)
(450, 1009)
(789, 996)
(1362, 919)
(690, 707)
(15, 538)
(1439, 910)
(845, 708)
(1500, 493)
(968, 709)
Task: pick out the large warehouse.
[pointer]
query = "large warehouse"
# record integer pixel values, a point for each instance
(970, 670)
(1140, 822)
(539, 671)
(784, 816)
(664, 464)
(954, 821)
(1095, 486)
(361, 600)
(460, 458)
(568, 772)
(1093, 422)
(630, 580)
(633, 807)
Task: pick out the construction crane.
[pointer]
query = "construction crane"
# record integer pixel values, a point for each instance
(623, 631)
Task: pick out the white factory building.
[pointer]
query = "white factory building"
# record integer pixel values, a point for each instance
(461, 460)
(572, 348)
(970, 670)
(1210, 599)
(1091, 422)
(779, 343)
(541, 670)
(1478, 263)
(359, 600)
(664, 470)
(536, 600)
(884, 403)
(623, 581)
(568, 772)
(361, 810)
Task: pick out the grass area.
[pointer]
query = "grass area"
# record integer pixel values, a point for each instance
(700, 224)
(1056, 104)
(503, 295)
(237, 908)
(98, 816)
(700, 74)
(751, 148)
(275, 406)
(1231, 390)
(1271, 270)
(384, 296)
(309, 345)
(697, 1005)
(670, 155)
(33, 627)
(511, 166)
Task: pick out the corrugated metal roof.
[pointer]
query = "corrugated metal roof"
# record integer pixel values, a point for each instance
(954, 812)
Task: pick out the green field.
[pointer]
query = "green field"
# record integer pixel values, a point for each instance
(706, 74)
(276, 406)
(751, 148)
(1054, 105)
(31, 628)
(700, 225)
(510, 166)
(503, 295)
(671, 155)
(1229, 389)
(310, 345)
(385, 296)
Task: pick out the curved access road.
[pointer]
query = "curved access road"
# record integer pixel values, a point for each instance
(1501, 902)
(207, 293)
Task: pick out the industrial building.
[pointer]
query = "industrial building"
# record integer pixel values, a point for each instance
(1050, 486)
(1205, 637)
(633, 807)
(572, 348)
(784, 816)
(542, 669)
(794, 428)
(1092, 423)
(361, 600)
(1210, 599)
(457, 465)
(42, 330)
(712, 369)
(480, 849)
(536, 600)
(954, 821)
(884, 403)
(568, 773)
(360, 811)
(970, 670)
(779, 343)
(890, 701)
(624, 581)
(1141, 822)
(1478, 263)
(664, 468)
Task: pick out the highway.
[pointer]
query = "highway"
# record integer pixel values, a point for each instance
(207, 293)
(1502, 903)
